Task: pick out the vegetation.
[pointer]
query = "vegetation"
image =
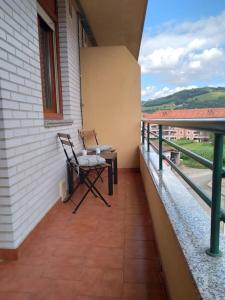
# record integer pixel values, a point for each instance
(203, 149)
(187, 99)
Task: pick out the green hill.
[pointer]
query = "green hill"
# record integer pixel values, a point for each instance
(187, 99)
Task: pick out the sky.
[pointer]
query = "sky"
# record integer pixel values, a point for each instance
(183, 46)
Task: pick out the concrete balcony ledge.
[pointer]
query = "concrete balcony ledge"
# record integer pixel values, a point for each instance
(191, 226)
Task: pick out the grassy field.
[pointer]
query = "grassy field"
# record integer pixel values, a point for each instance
(203, 149)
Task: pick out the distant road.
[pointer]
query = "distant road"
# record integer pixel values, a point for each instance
(203, 177)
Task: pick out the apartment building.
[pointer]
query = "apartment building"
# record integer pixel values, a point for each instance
(193, 135)
(173, 133)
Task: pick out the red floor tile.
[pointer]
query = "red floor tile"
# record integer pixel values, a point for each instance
(64, 272)
(143, 292)
(101, 282)
(56, 290)
(111, 226)
(14, 296)
(109, 239)
(96, 298)
(138, 219)
(99, 253)
(140, 249)
(139, 233)
(106, 262)
(142, 271)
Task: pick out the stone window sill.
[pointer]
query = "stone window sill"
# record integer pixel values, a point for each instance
(57, 123)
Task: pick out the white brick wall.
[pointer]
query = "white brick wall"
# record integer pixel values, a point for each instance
(31, 159)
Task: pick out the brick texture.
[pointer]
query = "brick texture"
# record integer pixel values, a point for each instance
(31, 159)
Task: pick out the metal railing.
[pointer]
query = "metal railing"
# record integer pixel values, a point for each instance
(217, 127)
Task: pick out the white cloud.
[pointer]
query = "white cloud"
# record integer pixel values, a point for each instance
(165, 58)
(197, 43)
(195, 64)
(150, 92)
(209, 54)
(183, 53)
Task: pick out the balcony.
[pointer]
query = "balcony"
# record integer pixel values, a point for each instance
(99, 253)
(122, 252)
(185, 231)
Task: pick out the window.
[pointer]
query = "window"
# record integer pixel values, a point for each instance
(49, 61)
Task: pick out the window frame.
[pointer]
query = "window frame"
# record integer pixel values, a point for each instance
(51, 20)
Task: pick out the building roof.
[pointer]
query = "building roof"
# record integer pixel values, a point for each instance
(197, 113)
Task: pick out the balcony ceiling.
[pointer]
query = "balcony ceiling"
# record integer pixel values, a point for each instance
(116, 22)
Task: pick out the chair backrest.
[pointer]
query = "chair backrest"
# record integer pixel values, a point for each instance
(88, 137)
(67, 145)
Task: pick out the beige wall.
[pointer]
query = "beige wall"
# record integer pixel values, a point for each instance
(111, 99)
(178, 277)
(116, 22)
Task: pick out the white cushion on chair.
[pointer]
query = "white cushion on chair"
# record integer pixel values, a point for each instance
(90, 160)
(101, 147)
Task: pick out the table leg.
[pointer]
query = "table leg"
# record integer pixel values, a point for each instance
(81, 177)
(110, 176)
(70, 178)
(115, 171)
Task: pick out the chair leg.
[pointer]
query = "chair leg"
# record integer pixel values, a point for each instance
(76, 187)
(78, 205)
(81, 181)
(90, 187)
(85, 175)
(102, 198)
(100, 176)
(92, 184)
(97, 191)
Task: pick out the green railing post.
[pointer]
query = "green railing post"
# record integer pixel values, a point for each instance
(148, 136)
(143, 133)
(216, 197)
(160, 147)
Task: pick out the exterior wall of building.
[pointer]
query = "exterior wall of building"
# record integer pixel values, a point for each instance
(31, 159)
(172, 133)
(193, 135)
(168, 131)
(180, 133)
(111, 97)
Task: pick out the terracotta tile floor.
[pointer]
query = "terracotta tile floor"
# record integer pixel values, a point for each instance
(98, 254)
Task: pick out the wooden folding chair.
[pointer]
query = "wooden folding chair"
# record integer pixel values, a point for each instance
(83, 167)
(90, 141)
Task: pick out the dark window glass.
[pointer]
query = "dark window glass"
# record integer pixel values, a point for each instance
(48, 61)
(45, 41)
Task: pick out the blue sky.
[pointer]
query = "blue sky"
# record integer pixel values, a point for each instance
(183, 46)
